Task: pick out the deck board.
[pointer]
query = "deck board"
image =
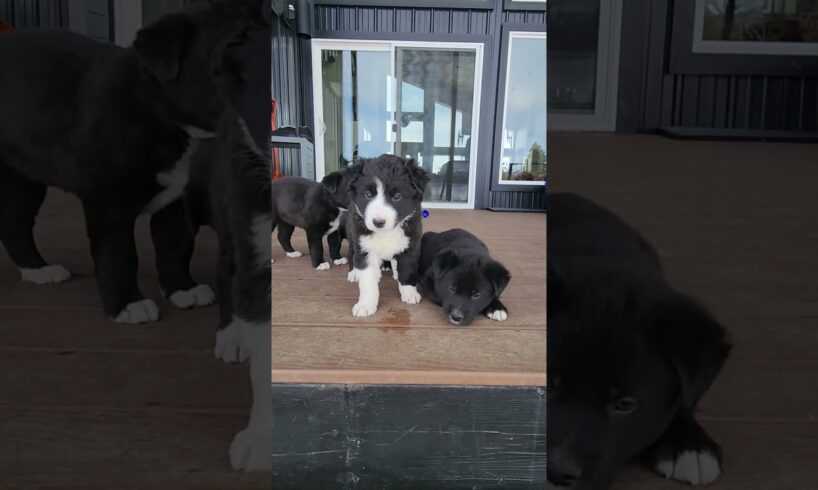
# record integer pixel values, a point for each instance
(88, 404)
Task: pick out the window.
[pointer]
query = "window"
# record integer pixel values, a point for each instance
(772, 27)
(523, 137)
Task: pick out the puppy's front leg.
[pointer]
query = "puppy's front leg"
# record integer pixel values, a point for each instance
(115, 263)
(407, 265)
(334, 242)
(496, 311)
(173, 239)
(367, 270)
(315, 241)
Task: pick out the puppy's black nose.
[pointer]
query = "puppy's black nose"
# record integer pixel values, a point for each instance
(378, 223)
(456, 317)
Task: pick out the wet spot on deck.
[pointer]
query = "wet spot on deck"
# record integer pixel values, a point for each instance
(397, 320)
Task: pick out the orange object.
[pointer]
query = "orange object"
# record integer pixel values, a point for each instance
(276, 163)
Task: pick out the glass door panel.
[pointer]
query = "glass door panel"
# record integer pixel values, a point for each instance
(357, 105)
(433, 118)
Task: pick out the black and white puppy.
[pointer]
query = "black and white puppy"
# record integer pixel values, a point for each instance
(121, 126)
(458, 274)
(384, 224)
(317, 208)
(240, 201)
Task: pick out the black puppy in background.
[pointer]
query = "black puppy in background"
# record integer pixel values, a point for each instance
(458, 274)
(117, 127)
(317, 208)
(629, 357)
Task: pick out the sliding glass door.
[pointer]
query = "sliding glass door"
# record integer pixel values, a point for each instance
(415, 100)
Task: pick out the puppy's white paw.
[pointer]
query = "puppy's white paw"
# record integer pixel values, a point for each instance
(294, 255)
(409, 294)
(395, 270)
(323, 266)
(252, 449)
(352, 276)
(692, 467)
(229, 344)
(341, 261)
(50, 274)
(142, 311)
(498, 315)
(362, 309)
(199, 295)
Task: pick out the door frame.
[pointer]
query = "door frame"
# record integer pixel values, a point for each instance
(384, 45)
(607, 71)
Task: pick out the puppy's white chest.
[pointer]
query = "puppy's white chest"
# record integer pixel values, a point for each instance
(334, 224)
(173, 180)
(385, 245)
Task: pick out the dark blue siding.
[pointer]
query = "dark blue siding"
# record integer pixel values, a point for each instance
(24, 14)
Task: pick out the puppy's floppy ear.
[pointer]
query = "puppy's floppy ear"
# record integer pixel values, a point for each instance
(497, 275)
(693, 340)
(161, 45)
(445, 261)
(352, 174)
(333, 181)
(417, 176)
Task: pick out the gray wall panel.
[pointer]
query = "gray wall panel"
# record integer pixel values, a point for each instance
(727, 101)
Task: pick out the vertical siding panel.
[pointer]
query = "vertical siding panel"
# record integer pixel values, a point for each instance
(706, 101)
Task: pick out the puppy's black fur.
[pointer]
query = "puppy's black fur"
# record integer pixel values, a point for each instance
(111, 125)
(458, 273)
(629, 358)
(388, 186)
(317, 208)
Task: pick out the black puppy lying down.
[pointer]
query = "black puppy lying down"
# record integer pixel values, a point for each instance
(458, 273)
(318, 208)
(629, 358)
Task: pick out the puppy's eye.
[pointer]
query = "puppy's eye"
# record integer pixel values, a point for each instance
(476, 295)
(368, 195)
(396, 196)
(452, 288)
(624, 405)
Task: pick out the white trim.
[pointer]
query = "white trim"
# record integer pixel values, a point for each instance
(372, 45)
(603, 118)
(744, 47)
(127, 20)
(511, 36)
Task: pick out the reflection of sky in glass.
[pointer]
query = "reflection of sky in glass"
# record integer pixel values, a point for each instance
(372, 71)
(525, 121)
(443, 126)
(412, 98)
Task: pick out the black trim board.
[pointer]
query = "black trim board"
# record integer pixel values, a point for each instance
(443, 4)
(528, 6)
(353, 437)
(722, 134)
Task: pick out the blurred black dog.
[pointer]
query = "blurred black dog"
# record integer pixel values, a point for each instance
(458, 273)
(628, 357)
(317, 208)
(117, 127)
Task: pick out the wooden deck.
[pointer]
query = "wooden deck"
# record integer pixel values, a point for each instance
(735, 226)
(317, 340)
(88, 404)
